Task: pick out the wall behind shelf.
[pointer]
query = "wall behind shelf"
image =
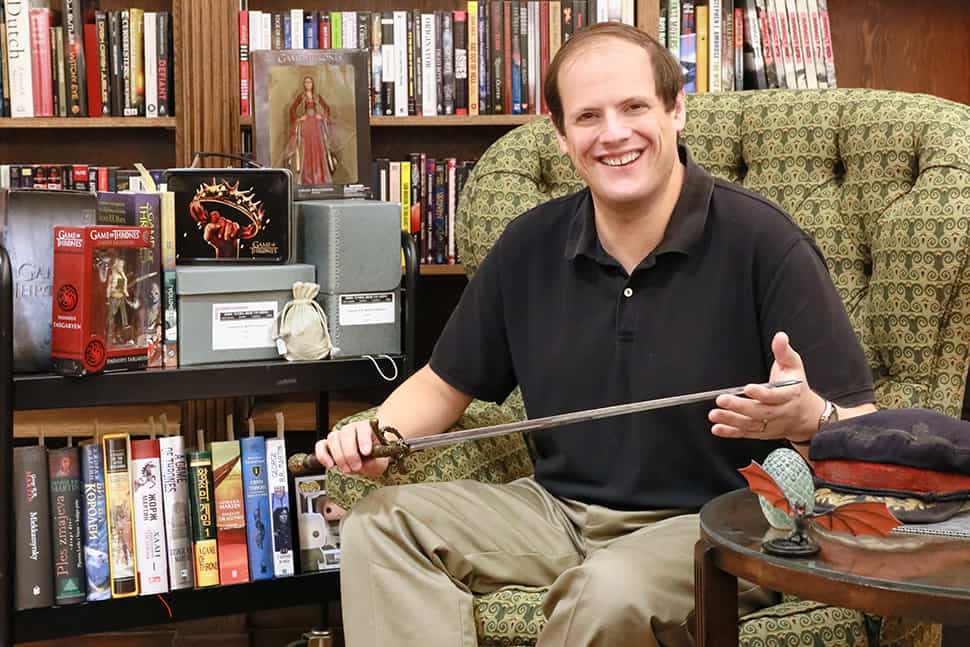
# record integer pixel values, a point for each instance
(154, 147)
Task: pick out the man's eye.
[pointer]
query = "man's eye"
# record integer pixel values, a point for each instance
(586, 116)
(636, 107)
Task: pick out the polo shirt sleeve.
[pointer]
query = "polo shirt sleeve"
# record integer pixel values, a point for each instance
(472, 353)
(801, 300)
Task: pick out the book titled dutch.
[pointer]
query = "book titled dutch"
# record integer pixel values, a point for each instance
(279, 505)
(178, 525)
(121, 539)
(204, 546)
(97, 569)
(34, 578)
(230, 512)
(256, 491)
(65, 484)
(149, 514)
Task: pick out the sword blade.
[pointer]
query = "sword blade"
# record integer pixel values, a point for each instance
(562, 419)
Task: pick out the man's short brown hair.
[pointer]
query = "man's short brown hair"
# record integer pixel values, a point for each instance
(667, 73)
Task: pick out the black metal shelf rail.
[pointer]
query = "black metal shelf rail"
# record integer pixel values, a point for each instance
(150, 386)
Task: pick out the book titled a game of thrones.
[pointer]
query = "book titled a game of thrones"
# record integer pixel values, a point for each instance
(230, 512)
(279, 503)
(149, 516)
(178, 527)
(256, 491)
(204, 547)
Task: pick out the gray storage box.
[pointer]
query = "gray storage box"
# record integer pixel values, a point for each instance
(226, 313)
(356, 247)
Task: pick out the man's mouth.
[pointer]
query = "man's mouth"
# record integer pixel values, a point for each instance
(621, 160)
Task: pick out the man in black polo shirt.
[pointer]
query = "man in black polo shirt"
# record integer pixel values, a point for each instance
(658, 280)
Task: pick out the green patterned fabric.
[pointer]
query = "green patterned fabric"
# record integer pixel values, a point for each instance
(880, 179)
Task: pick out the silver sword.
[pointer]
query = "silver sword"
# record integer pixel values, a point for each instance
(398, 445)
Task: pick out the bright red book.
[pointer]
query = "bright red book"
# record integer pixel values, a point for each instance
(93, 69)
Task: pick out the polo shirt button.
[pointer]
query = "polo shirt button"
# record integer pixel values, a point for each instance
(628, 292)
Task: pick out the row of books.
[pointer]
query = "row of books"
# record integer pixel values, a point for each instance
(489, 58)
(62, 62)
(79, 177)
(125, 517)
(428, 190)
(750, 44)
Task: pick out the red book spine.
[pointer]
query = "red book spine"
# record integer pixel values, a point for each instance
(40, 62)
(325, 42)
(244, 108)
(93, 69)
(70, 292)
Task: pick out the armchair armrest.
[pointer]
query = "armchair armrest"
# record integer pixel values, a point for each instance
(492, 460)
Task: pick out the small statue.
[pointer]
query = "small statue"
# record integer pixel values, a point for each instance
(116, 286)
(855, 518)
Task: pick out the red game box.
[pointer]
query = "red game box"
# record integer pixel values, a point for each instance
(100, 318)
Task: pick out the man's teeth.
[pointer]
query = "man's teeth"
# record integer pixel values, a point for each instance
(622, 160)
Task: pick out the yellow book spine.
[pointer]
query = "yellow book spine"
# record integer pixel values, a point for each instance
(702, 48)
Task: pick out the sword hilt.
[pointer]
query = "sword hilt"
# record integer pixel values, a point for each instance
(390, 444)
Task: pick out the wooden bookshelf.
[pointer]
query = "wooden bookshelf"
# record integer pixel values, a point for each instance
(87, 122)
(443, 270)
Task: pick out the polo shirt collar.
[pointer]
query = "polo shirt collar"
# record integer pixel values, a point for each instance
(684, 230)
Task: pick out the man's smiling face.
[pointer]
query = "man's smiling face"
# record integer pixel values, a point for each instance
(618, 133)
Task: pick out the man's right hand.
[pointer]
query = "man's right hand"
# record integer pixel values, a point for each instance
(349, 447)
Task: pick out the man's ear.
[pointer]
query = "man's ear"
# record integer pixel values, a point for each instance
(679, 112)
(561, 138)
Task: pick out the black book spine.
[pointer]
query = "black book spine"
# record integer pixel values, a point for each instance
(117, 63)
(388, 64)
(34, 579)
(524, 54)
(448, 60)
(416, 67)
(104, 60)
(64, 466)
(412, 76)
(77, 96)
(439, 65)
(461, 62)
(496, 18)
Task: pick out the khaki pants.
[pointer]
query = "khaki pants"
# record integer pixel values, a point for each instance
(414, 555)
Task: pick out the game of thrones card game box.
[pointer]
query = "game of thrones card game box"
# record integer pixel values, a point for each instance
(102, 284)
(232, 214)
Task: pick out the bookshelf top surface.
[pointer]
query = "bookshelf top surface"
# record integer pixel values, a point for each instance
(45, 391)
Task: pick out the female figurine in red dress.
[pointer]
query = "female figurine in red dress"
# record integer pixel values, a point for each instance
(307, 153)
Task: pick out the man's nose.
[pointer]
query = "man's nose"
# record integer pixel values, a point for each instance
(615, 127)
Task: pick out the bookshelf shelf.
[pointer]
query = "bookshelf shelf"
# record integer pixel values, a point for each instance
(439, 120)
(194, 382)
(442, 270)
(88, 122)
(188, 604)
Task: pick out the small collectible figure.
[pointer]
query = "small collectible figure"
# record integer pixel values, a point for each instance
(100, 282)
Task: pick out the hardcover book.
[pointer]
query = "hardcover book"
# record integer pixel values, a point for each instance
(230, 512)
(96, 566)
(121, 538)
(204, 546)
(178, 526)
(279, 503)
(256, 491)
(66, 543)
(27, 220)
(149, 515)
(34, 579)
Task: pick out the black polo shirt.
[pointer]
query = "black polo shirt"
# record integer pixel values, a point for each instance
(551, 311)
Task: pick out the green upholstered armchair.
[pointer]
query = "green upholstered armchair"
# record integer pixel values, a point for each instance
(880, 179)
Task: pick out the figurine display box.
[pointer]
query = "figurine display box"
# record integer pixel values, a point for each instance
(355, 246)
(101, 288)
(226, 313)
(232, 215)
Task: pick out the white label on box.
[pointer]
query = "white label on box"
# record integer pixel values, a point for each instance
(366, 309)
(243, 325)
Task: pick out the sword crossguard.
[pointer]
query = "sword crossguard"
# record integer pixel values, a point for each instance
(395, 448)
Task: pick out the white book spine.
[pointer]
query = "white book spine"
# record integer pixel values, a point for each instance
(266, 32)
(808, 50)
(715, 46)
(348, 20)
(151, 64)
(175, 496)
(296, 29)
(279, 506)
(429, 89)
(401, 63)
(628, 12)
(148, 511)
(673, 25)
(535, 74)
(20, 76)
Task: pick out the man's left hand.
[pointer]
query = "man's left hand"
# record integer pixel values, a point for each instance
(790, 412)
